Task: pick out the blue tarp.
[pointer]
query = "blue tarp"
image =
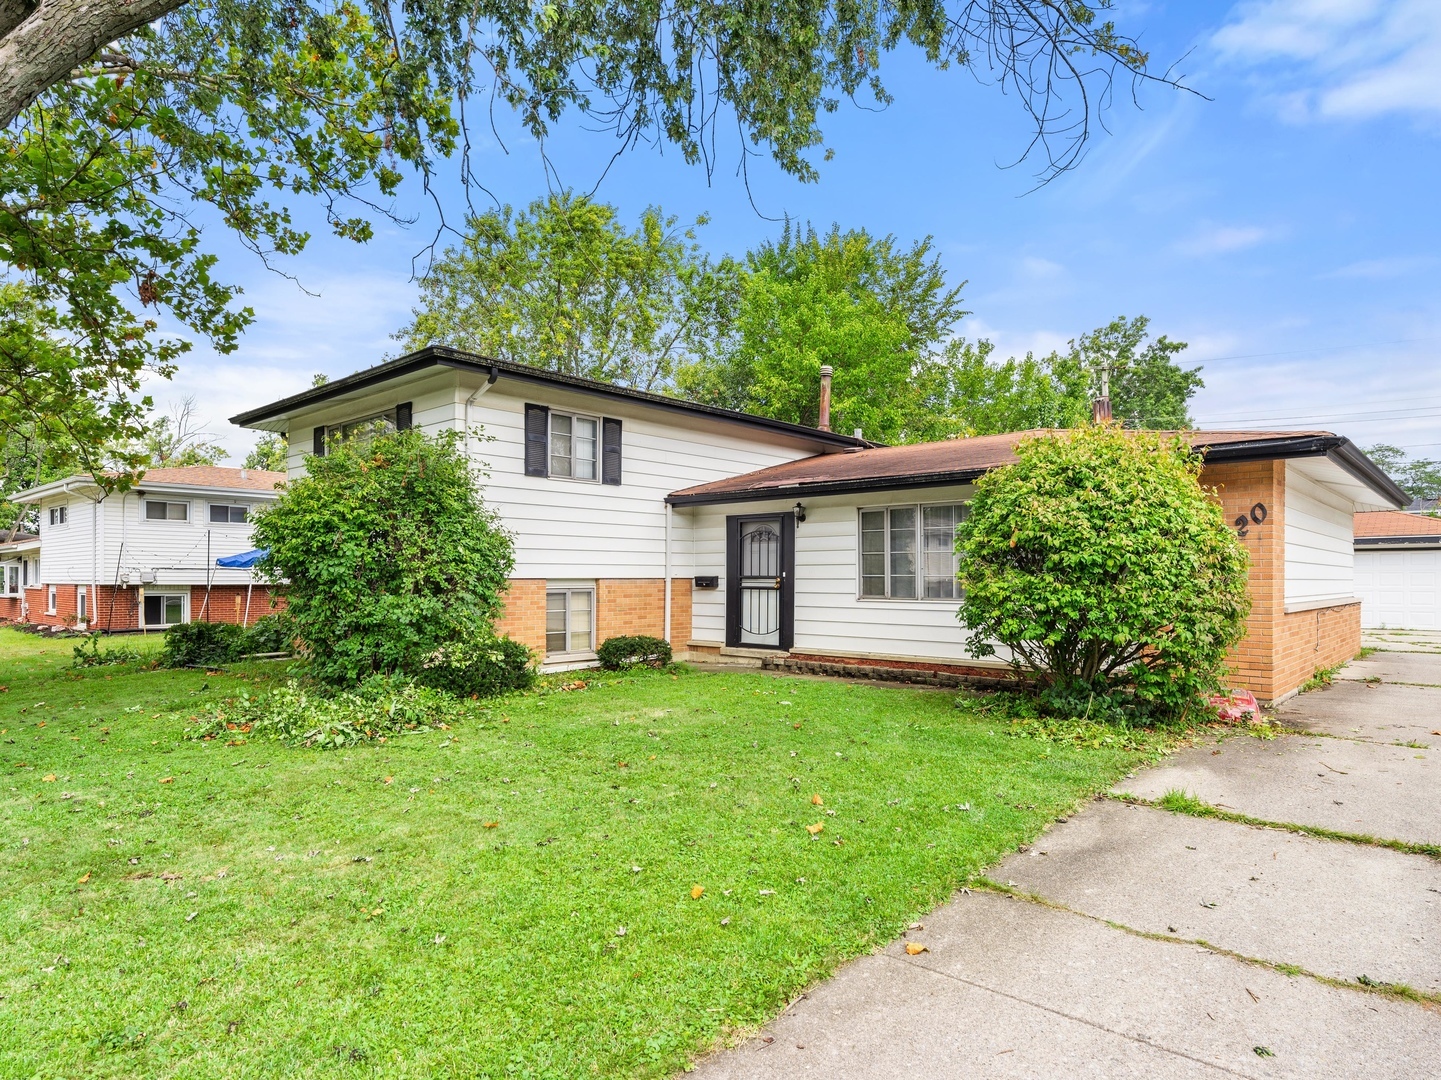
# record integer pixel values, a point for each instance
(244, 561)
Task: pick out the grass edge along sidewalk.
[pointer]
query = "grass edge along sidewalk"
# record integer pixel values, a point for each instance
(609, 880)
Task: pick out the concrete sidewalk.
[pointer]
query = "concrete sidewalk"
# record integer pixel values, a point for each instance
(1164, 945)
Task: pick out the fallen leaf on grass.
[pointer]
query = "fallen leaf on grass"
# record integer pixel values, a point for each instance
(816, 800)
(191, 916)
(84, 877)
(388, 779)
(167, 779)
(697, 892)
(915, 949)
(815, 829)
(489, 824)
(48, 778)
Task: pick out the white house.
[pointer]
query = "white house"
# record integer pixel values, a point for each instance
(1398, 571)
(744, 539)
(144, 559)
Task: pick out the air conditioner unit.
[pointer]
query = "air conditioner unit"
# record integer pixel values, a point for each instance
(147, 577)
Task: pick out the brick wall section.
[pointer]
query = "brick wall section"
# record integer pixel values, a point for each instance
(1279, 651)
(524, 615)
(622, 606)
(119, 608)
(227, 604)
(626, 606)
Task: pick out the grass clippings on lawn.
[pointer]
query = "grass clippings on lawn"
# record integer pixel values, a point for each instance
(601, 881)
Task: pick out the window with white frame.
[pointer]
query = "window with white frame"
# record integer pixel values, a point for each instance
(156, 510)
(164, 608)
(59, 515)
(229, 514)
(574, 445)
(82, 610)
(569, 621)
(10, 579)
(909, 552)
(50, 599)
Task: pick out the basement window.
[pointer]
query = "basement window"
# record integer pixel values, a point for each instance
(569, 621)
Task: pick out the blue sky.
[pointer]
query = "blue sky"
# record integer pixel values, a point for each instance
(1287, 228)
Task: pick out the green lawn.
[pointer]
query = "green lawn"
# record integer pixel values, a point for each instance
(191, 909)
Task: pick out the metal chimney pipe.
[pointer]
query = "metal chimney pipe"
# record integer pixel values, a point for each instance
(825, 418)
(1101, 410)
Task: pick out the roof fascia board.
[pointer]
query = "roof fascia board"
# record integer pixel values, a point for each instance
(436, 356)
(1350, 458)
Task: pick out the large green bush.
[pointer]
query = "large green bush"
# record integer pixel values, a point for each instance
(628, 651)
(388, 554)
(1101, 564)
(480, 665)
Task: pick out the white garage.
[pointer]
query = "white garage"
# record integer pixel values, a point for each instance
(1398, 571)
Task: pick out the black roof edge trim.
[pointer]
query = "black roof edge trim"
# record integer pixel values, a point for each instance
(1349, 457)
(830, 487)
(1424, 540)
(443, 356)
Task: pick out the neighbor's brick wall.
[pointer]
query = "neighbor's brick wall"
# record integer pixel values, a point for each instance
(1279, 651)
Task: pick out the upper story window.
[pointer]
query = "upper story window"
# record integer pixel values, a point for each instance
(909, 552)
(574, 446)
(363, 428)
(59, 515)
(571, 445)
(158, 510)
(229, 514)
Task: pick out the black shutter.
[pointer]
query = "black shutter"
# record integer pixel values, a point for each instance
(320, 442)
(537, 440)
(610, 451)
(402, 416)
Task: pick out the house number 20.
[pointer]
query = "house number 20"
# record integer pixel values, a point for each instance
(1244, 522)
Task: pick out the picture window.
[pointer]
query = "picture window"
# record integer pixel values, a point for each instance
(909, 552)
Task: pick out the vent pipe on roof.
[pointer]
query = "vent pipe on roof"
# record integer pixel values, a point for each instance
(824, 423)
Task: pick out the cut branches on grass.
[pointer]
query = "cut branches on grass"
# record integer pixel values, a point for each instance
(503, 863)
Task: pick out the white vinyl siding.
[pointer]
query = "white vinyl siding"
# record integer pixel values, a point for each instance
(831, 617)
(1320, 552)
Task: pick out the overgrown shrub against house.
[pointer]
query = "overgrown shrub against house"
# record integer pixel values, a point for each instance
(1099, 561)
(394, 566)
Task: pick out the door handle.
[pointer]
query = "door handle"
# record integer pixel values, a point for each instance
(778, 581)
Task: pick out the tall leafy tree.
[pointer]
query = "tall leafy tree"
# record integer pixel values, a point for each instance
(120, 120)
(565, 285)
(1418, 477)
(869, 307)
(1148, 388)
(177, 439)
(271, 452)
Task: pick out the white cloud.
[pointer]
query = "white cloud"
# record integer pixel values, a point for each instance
(1339, 59)
(1222, 239)
(1383, 269)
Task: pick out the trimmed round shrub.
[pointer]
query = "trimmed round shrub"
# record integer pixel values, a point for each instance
(1103, 567)
(483, 664)
(620, 653)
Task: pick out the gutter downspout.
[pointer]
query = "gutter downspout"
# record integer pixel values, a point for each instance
(668, 513)
(494, 375)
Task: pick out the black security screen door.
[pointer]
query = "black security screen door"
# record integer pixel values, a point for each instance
(760, 591)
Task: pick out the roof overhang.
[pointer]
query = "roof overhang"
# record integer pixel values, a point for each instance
(1398, 543)
(1369, 487)
(274, 417)
(87, 486)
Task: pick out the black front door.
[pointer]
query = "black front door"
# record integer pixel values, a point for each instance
(760, 586)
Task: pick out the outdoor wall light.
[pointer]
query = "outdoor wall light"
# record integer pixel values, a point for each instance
(800, 512)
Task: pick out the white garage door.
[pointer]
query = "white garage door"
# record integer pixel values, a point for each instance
(1399, 590)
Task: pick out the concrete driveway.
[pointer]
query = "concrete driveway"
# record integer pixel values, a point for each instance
(1147, 943)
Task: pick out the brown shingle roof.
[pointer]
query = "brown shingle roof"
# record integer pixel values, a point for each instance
(1393, 523)
(951, 460)
(215, 476)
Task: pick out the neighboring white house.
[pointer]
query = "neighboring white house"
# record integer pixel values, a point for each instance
(144, 559)
(19, 565)
(1398, 570)
(738, 537)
